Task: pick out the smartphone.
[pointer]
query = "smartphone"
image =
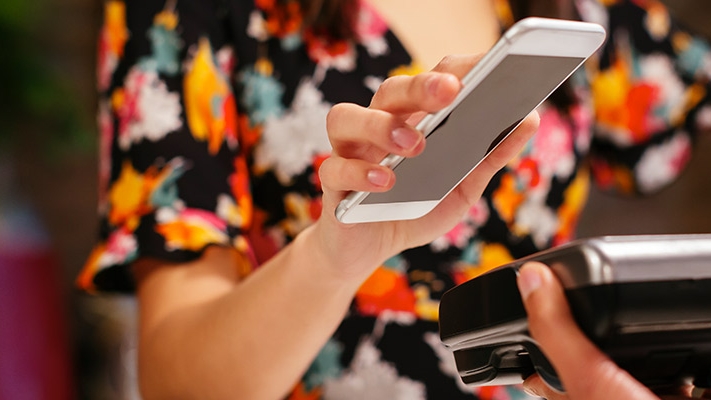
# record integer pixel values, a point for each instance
(524, 67)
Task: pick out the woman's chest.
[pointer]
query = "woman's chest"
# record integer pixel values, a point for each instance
(433, 29)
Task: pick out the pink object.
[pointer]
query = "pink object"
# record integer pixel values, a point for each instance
(35, 361)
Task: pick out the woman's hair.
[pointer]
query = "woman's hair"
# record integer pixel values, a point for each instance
(334, 18)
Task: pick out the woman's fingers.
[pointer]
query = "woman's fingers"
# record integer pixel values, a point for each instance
(403, 95)
(340, 174)
(361, 137)
(371, 133)
(585, 371)
(457, 64)
(357, 132)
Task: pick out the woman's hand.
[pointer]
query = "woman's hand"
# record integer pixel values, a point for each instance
(361, 137)
(586, 373)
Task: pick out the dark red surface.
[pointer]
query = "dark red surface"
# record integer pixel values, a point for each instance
(34, 341)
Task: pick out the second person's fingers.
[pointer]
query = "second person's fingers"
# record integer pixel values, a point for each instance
(535, 386)
(585, 371)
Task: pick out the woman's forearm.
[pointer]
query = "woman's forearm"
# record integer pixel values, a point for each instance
(255, 340)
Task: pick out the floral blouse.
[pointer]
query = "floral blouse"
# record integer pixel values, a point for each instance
(212, 121)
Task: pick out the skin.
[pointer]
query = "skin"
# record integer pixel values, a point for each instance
(451, 26)
(551, 324)
(205, 329)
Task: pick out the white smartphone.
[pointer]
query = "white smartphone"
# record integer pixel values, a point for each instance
(526, 65)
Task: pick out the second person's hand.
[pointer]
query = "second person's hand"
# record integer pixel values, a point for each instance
(585, 371)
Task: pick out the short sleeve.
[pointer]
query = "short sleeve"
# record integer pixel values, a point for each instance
(650, 93)
(173, 178)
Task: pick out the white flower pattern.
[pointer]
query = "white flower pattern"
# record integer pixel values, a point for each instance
(149, 111)
(661, 164)
(290, 142)
(369, 377)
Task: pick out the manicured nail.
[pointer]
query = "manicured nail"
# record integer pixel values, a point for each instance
(378, 177)
(529, 280)
(405, 138)
(431, 84)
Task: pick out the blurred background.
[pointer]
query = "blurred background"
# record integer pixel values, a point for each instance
(67, 343)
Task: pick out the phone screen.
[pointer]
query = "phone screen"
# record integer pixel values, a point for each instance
(492, 110)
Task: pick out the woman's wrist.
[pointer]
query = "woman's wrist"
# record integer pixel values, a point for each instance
(333, 250)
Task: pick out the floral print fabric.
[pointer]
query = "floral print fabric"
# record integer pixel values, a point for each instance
(212, 122)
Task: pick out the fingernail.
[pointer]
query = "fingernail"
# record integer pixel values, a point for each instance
(529, 281)
(405, 138)
(529, 391)
(431, 84)
(378, 177)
